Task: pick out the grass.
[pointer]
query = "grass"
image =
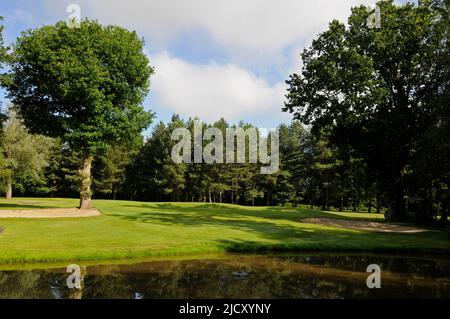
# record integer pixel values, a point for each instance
(136, 230)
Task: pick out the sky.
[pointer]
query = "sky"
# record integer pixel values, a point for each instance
(212, 58)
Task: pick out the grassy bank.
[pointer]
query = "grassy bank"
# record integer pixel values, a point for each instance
(134, 229)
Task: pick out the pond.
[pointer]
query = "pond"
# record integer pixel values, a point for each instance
(312, 275)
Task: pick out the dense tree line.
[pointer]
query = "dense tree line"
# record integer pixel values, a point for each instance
(312, 172)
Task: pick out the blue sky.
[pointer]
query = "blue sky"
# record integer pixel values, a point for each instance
(213, 58)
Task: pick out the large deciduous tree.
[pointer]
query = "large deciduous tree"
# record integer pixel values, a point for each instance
(85, 85)
(375, 89)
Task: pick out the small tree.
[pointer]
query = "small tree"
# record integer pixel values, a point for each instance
(22, 155)
(84, 85)
(110, 172)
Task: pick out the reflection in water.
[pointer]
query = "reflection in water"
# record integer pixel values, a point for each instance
(54, 287)
(241, 276)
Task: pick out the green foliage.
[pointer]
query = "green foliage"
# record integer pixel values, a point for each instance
(109, 169)
(374, 90)
(88, 83)
(3, 50)
(22, 156)
(376, 100)
(311, 172)
(83, 85)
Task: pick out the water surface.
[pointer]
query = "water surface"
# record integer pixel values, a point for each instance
(240, 276)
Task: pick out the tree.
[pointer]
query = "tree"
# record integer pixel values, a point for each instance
(152, 174)
(22, 155)
(110, 168)
(370, 88)
(84, 85)
(284, 191)
(62, 173)
(172, 178)
(53, 178)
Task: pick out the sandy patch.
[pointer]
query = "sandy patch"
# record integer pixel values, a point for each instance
(364, 225)
(49, 213)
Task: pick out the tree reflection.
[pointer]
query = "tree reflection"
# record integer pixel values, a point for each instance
(277, 276)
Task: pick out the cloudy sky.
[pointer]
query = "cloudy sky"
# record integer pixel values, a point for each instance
(213, 58)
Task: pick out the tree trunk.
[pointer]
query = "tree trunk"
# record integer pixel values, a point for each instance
(444, 214)
(9, 188)
(396, 204)
(378, 202)
(86, 181)
(269, 197)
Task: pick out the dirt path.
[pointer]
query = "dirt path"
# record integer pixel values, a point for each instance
(49, 213)
(364, 225)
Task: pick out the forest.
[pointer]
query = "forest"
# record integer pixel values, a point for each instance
(312, 172)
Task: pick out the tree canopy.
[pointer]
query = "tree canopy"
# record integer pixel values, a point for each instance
(85, 85)
(375, 90)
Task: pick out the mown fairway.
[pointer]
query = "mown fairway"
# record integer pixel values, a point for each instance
(135, 229)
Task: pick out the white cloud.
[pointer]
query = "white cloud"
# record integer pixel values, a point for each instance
(213, 90)
(265, 36)
(241, 26)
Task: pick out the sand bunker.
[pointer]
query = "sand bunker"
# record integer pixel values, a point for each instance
(49, 213)
(364, 225)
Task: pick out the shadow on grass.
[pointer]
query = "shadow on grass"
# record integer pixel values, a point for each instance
(269, 223)
(274, 213)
